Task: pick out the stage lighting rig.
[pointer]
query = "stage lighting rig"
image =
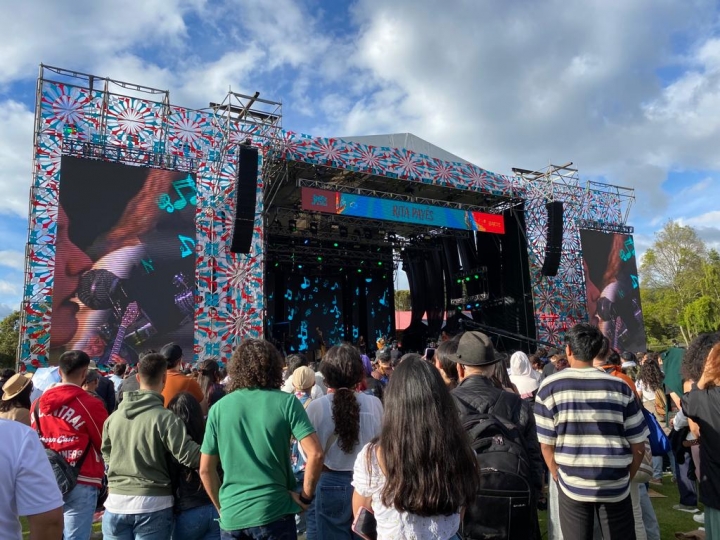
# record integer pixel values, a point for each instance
(292, 225)
(469, 275)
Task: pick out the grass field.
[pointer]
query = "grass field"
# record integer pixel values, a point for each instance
(671, 521)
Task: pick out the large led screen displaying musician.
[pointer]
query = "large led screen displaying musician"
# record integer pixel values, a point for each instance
(124, 260)
(613, 296)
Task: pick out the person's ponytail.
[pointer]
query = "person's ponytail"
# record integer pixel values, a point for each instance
(342, 368)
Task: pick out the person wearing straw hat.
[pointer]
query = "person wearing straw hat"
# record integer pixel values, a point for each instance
(15, 404)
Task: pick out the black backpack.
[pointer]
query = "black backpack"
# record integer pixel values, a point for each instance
(504, 506)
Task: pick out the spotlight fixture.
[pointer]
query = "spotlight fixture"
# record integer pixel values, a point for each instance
(334, 228)
(313, 227)
(343, 232)
(368, 234)
(292, 225)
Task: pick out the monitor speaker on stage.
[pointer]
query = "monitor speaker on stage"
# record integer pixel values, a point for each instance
(245, 193)
(553, 246)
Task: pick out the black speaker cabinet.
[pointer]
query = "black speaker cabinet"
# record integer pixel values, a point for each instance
(245, 195)
(553, 246)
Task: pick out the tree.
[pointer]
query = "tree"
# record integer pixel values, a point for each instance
(9, 339)
(402, 301)
(701, 315)
(673, 268)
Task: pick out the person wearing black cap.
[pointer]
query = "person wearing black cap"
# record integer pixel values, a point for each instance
(478, 393)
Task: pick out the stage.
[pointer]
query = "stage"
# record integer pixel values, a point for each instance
(323, 225)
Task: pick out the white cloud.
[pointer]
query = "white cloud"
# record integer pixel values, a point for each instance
(527, 83)
(708, 219)
(6, 310)
(8, 288)
(16, 152)
(12, 259)
(71, 33)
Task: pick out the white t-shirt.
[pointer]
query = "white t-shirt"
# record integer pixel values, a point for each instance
(320, 414)
(647, 393)
(27, 482)
(137, 504)
(391, 523)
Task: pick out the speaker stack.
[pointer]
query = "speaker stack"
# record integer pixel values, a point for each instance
(245, 195)
(553, 246)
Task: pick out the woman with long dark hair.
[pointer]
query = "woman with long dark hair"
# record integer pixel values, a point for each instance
(195, 516)
(447, 368)
(345, 420)
(650, 385)
(209, 380)
(420, 472)
(15, 404)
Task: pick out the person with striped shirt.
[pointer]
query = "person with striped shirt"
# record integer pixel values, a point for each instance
(592, 436)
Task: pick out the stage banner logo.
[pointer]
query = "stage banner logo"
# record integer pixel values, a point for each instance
(348, 204)
(612, 287)
(125, 260)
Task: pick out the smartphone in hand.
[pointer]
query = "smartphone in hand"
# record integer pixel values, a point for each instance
(365, 525)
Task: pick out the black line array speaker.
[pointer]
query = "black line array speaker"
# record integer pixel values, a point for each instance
(553, 246)
(245, 194)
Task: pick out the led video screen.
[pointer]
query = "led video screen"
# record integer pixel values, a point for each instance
(613, 296)
(124, 260)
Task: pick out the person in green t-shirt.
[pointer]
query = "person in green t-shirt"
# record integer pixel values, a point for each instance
(248, 432)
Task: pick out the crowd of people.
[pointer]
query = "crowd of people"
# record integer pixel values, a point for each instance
(467, 443)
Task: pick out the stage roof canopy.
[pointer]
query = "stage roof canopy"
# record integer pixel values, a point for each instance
(408, 141)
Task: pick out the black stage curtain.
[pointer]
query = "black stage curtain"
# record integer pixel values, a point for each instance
(435, 291)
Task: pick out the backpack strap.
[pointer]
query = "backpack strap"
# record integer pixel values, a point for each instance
(330, 441)
(37, 417)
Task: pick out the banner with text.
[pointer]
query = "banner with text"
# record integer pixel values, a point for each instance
(348, 204)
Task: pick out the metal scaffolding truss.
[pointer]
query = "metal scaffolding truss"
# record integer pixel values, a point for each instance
(625, 196)
(251, 114)
(314, 255)
(554, 181)
(358, 230)
(562, 182)
(238, 119)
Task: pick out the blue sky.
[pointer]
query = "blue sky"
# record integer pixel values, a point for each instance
(628, 91)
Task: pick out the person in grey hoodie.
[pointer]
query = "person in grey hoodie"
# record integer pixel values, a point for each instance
(136, 440)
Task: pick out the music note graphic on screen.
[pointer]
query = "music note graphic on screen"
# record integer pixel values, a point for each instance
(305, 284)
(187, 247)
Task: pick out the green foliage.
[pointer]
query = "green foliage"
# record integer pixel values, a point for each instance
(9, 339)
(402, 301)
(680, 290)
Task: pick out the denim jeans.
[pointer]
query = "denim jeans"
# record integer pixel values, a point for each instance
(652, 527)
(199, 523)
(78, 512)
(148, 526)
(301, 518)
(282, 529)
(330, 515)
(686, 487)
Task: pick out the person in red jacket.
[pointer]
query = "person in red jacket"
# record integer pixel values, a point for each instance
(70, 421)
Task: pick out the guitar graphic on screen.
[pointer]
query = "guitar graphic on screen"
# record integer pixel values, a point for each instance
(130, 316)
